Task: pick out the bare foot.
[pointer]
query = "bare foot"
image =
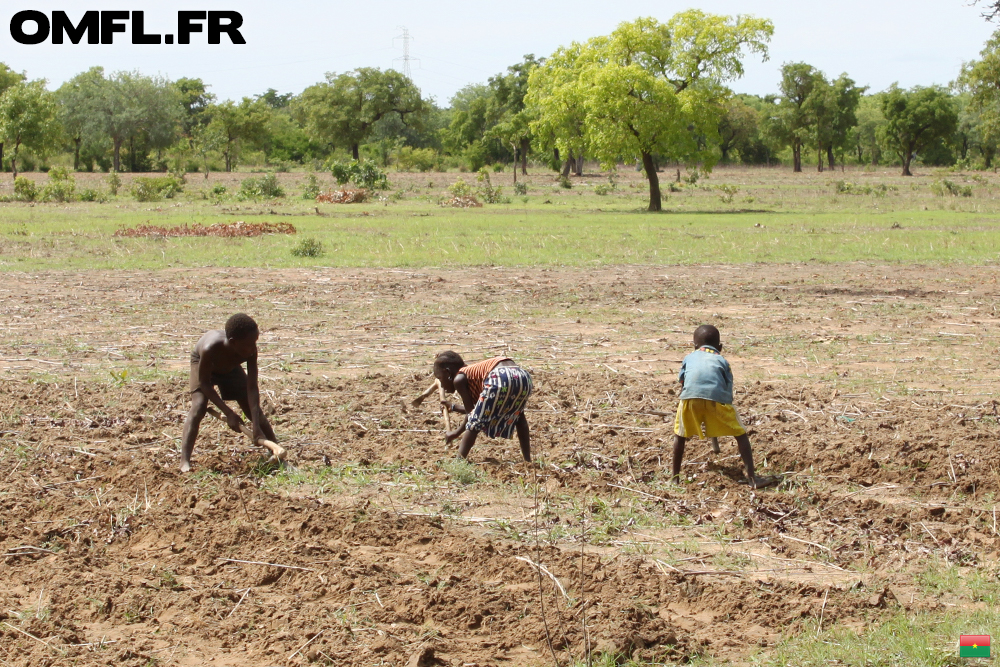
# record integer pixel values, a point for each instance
(763, 481)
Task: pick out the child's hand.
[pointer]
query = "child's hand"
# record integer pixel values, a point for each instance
(234, 421)
(453, 407)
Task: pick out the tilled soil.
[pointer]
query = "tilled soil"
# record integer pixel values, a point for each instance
(371, 548)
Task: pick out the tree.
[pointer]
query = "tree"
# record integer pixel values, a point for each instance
(866, 132)
(738, 127)
(75, 99)
(514, 125)
(649, 88)
(129, 107)
(794, 118)
(28, 118)
(8, 78)
(980, 79)
(915, 119)
(345, 108)
(236, 125)
(835, 114)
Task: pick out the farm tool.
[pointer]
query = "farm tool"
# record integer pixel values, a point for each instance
(441, 393)
(278, 453)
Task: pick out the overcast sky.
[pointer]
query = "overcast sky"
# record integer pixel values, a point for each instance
(292, 43)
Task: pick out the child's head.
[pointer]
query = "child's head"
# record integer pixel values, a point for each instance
(242, 332)
(706, 334)
(446, 366)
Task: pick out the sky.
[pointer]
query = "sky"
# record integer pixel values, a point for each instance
(291, 44)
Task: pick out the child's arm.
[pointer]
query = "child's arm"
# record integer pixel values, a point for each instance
(253, 397)
(208, 390)
(462, 387)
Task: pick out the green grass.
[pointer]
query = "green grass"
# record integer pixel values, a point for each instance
(790, 220)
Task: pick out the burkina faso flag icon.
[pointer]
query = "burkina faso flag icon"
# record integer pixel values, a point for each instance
(974, 646)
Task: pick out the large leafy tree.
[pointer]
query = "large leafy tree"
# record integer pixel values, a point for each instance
(8, 78)
(76, 98)
(793, 120)
(555, 99)
(834, 114)
(980, 79)
(514, 125)
(28, 119)
(865, 135)
(915, 119)
(344, 109)
(655, 89)
(234, 125)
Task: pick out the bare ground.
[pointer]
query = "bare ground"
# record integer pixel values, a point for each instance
(870, 388)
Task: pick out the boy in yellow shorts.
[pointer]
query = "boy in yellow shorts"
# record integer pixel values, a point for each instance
(706, 407)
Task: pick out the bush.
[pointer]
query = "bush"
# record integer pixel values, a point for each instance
(728, 192)
(849, 188)
(460, 188)
(60, 186)
(154, 188)
(24, 189)
(311, 188)
(309, 248)
(488, 193)
(114, 182)
(88, 194)
(521, 188)
(602, 189)
(363, 174)
(565, 183)
(416, 159)
(943, 188)
(262, 187)
(498, 168)
(218, 190)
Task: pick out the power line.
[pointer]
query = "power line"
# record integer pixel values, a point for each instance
(406, 58)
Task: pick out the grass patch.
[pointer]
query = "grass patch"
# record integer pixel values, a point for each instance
(461, 471)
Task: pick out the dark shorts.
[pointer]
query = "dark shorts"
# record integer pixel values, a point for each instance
(232, 386)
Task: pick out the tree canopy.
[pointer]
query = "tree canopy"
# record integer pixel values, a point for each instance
(915, 118)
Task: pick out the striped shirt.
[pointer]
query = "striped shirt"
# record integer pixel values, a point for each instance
(476, 373)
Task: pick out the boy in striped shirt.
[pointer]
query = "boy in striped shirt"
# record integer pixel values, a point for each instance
(494, 393)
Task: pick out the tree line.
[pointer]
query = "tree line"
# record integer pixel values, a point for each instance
(651, 93)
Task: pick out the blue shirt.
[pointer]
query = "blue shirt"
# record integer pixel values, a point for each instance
(706, 374)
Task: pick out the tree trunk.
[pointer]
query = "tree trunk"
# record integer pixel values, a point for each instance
(131, 154)
(655, 202)
(830, 160)
(819, 160)
(76, 154)
(568, 165)
(796, 157)
(525, 147)
(355, 153)
(906, 164)
(987, 157)
(13, 160)
(578, 167)
(117, 160)
(1, 156)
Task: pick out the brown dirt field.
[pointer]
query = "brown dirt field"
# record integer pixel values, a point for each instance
(870, 388)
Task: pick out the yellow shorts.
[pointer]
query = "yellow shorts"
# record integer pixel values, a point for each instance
(718, 419)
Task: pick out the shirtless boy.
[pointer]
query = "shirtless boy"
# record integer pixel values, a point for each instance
(217, 361)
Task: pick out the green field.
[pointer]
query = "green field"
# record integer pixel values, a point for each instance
(774, 216)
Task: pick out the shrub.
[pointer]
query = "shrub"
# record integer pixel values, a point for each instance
(460, 188)
(24, 189)
(311, 188)
(692, 177)
(218, 190)
(363, 174)
(602, 189)
(877, 190)
(565, 183)
(154, 188)
(88, 194)
(308, 248)
(498, 168)
(114, 182)
(261, 187)
(728, 192)
(60, 186)
(943, 188)
(521, 188)
(490, 194)
(416, 159)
